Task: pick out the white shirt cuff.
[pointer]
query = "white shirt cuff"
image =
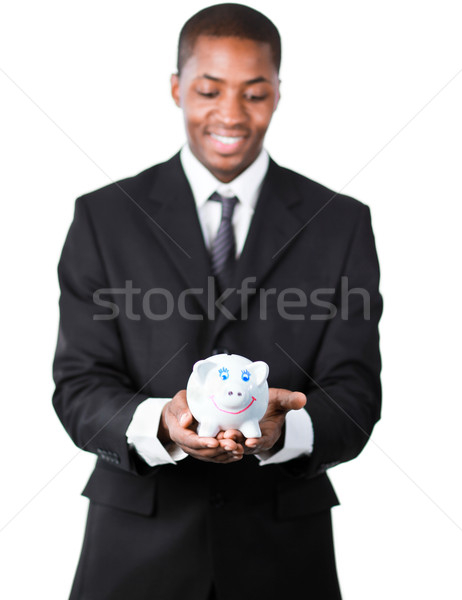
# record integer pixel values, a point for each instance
(298, 439)
(142, 433)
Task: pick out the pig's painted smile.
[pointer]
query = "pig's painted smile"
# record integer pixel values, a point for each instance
(230, 412)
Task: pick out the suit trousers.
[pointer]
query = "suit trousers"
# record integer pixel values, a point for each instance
(152, 574)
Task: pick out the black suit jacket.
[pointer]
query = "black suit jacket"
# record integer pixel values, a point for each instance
(305, 244)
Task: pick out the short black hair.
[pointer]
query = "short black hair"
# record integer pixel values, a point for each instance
(228, 20)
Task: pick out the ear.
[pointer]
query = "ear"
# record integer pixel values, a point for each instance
(203, 368)
(259, 371)
(175, 88)
(277, 96)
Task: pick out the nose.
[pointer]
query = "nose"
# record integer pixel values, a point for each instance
(231, 109)
(230, 393)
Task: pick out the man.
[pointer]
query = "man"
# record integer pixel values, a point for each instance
(146, 291)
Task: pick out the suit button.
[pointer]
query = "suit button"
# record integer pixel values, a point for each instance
(217, 500)
(108, 455)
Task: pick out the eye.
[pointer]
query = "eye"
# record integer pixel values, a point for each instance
(245, 375)
(207, 94)
(224, 373)
(254, 98)
(256, 93)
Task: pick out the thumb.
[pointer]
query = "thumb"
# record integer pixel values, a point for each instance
(181, 410)
(287, 400)
(297, 400)
(185, 418)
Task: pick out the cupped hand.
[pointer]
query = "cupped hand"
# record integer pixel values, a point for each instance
(178, 426)
(280, 402)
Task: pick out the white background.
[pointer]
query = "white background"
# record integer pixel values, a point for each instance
(371, 106)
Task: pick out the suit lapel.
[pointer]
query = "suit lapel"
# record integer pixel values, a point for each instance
(176, 225)
(273, 226)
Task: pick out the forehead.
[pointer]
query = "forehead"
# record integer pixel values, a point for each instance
(230, 57)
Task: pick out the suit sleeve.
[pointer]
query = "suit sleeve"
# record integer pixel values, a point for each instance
(94, 396)
(344, 391)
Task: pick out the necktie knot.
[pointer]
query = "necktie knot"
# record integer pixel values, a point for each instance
(227, 204)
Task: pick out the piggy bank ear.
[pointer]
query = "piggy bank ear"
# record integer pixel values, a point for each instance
(202, 368)
(259, 371)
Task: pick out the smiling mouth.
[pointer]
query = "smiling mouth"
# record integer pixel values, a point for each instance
(226, 140)
(230, 412)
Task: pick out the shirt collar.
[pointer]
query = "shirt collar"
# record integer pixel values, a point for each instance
(245, 186)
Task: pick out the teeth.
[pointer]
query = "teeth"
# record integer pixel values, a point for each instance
(225, 139)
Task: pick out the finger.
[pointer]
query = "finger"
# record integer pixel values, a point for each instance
(256, 445)
(190, 440)
(252, 442)
(216, 455)
(234, 434)
(287, 400)
(231, 446)
(228, 458)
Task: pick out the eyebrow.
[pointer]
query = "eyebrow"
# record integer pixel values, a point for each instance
(249, 82)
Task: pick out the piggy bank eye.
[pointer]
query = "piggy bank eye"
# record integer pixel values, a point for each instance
(245, 376)
(224, 373)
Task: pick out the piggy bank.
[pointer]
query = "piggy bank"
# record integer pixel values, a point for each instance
(228, 391)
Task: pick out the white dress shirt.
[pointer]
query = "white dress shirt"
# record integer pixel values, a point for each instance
(142, 431)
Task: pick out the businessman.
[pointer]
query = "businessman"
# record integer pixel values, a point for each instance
(217, 250)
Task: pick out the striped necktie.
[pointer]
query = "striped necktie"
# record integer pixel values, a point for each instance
(223, 250)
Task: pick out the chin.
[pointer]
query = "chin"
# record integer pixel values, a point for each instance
(224, 169)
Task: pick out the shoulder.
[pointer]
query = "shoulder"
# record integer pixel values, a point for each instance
(130, 189)
(313, 197)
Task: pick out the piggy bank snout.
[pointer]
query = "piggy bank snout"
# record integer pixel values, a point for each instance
(232, 392)
(233, 395)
